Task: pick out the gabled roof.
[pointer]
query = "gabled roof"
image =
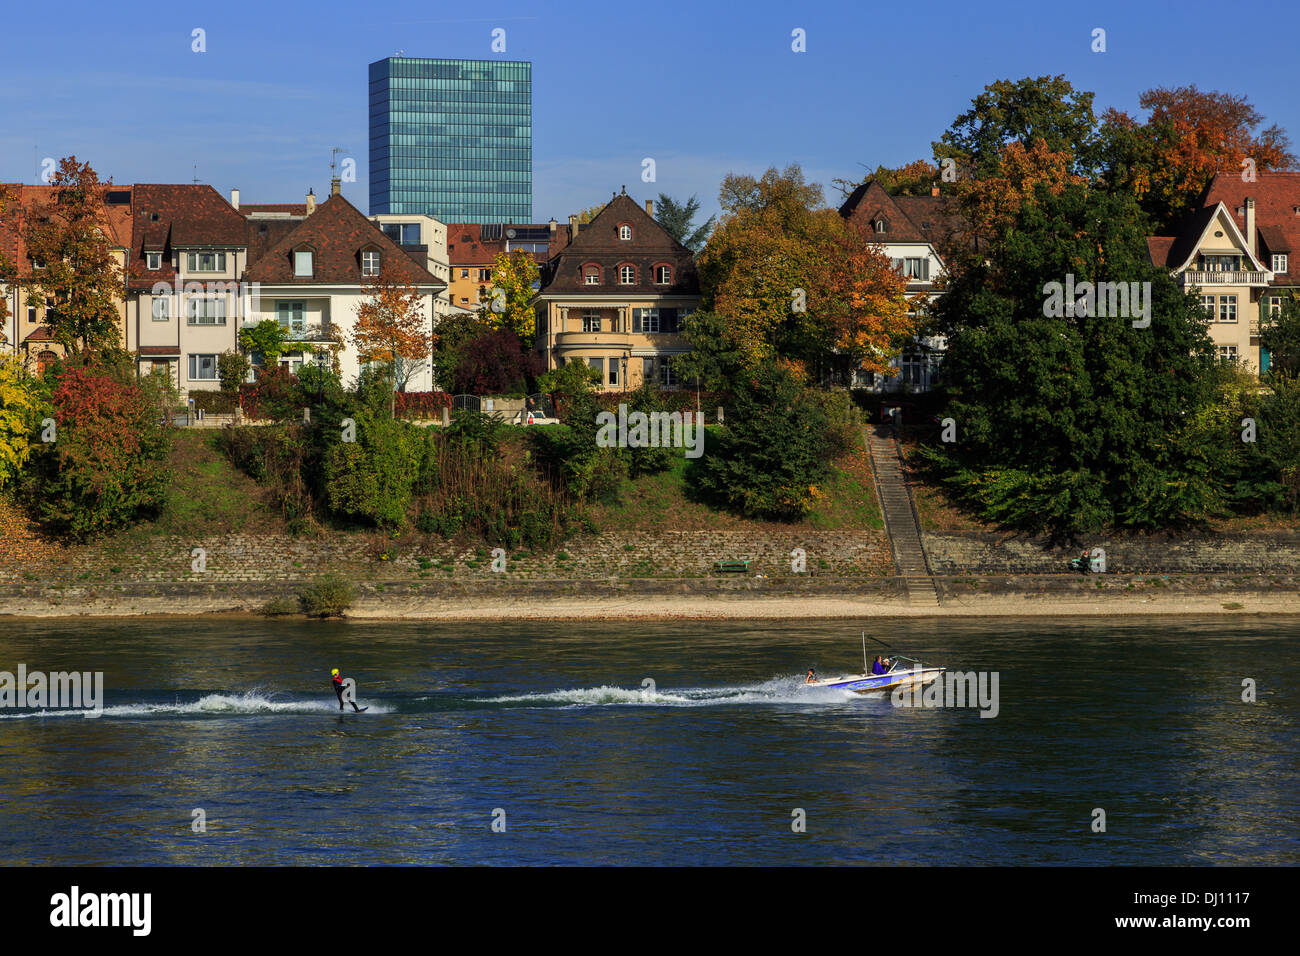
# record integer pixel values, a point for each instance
(599, 243)
(171, 216)
(928, 219)
(1277, 199)
(1192, 233)
(336, 232)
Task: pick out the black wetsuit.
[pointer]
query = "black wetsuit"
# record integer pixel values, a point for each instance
(338, 690)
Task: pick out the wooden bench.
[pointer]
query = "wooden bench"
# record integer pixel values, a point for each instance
(728, 566)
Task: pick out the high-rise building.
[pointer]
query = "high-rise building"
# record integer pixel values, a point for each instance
(452, 139)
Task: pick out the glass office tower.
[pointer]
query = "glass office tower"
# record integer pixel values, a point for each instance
(452, 139)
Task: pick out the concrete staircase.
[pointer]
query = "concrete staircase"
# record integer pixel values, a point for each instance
(900, 518)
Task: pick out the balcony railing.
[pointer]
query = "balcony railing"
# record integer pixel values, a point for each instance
(569, 340)
(1193, 278)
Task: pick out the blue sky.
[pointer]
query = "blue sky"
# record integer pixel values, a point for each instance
(704, 88)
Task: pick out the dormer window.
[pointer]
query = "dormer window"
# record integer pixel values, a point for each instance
(302, 264)
(206, 262)
(1279, 262)
(153, 261)
(881, 225)
(370, 263)
(663, 275)
(626, 275)
(591, 275)
(625, 231)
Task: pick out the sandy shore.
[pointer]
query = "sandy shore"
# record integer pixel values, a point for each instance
(696, 607)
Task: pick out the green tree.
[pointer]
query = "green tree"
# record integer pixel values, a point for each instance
(507, 304)
(1046, 108)
(912, 179)
(268, 339)
(679, 220)
(232, 369)
(1079, 422)
(21, 401)
(771, 457)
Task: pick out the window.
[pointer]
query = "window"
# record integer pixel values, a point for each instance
(203, 368)
(613, 371)
(206, 311)
(31, 314)
(302, 264)
(370, 263)
(464, 273)
(464, 300)
(626, 274)
(916, 268)
(162, 309)
(1227, 353)
(1219, 263)
(649, 321)
(663, 275)
(484, 275)
(625, 231)
(1207, 303)
(1274, 304)
(667, 377)
(881, 225)
(599, 365)
(1279, 262)
(153, 261)
(647, 369)
(292, 315)
(206, 262)
(591, 321)
(591, 276)
(1227, 308)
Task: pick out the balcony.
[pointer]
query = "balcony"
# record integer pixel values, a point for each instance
(590, 340)
(1192, 278)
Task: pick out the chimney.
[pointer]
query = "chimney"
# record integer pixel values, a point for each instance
(573, 227)
(336, 186)
(553, 225)
(650, 208)
(311, 202)
(1250, 224)
(234, 198)
(934, 190)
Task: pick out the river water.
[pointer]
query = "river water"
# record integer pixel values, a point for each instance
(540, 743)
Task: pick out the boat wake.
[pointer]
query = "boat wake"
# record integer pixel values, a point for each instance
(252, 703)
(782, 690)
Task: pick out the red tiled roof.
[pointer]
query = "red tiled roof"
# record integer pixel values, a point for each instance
(292, 208)
(1277, 212)
(25, 200)
(651, 244)
(466, 247)
(337, 233)
(39, 334)
(170, 216)
(930, 219)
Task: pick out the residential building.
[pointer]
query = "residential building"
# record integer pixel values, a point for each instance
(309, 273)
(614, 297)
(911, 230)
(472, 249)
(1237, 252)
(424, 239)
(189, 249)
(25, 331)
(451, 139)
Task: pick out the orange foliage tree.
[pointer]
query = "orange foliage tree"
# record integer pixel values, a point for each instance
(392, 329)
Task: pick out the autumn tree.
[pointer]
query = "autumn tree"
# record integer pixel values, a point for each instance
(911, 179)
(1189, 137)
(506, 305)
(587, 215)
(20, 401)
(72, 261)
(7, 271)
(392, 329)
(787, 278)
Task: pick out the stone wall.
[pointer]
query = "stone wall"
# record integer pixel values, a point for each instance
(254, 558)
(986, 553)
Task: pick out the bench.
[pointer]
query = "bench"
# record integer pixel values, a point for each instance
(728, 566)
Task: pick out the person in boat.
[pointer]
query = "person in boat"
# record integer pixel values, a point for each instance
(812, 676)
(337, 680)
(879, 666)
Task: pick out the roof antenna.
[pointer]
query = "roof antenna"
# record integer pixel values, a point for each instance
(196, 174)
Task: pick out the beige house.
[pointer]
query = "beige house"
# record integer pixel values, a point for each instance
(614, 297)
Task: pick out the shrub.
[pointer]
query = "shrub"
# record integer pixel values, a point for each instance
(108, 466)
(232, 368)
(274, 395)
(495, 363)
(279, 607)
(329, 596)
(372, 478)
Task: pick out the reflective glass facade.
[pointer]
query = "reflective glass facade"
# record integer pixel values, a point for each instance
(452, 139)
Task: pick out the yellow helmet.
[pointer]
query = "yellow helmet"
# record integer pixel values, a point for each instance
(334, 672)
